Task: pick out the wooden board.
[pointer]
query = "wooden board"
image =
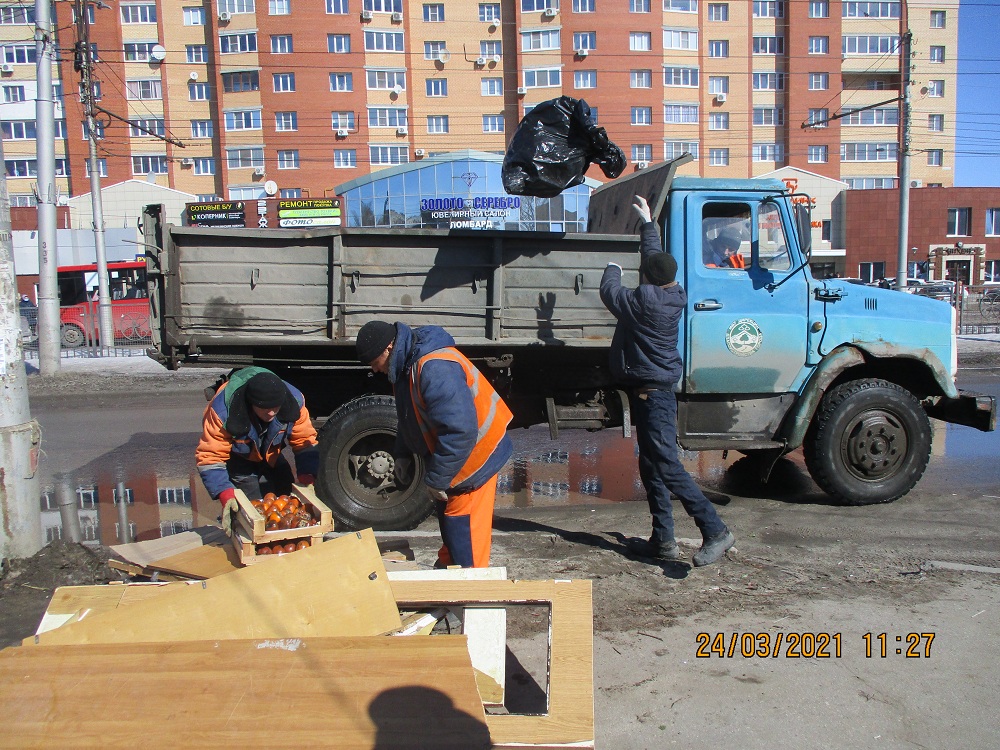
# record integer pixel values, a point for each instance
(336, 588)
(252, 522)
(570, 717)
(143, 553)
(246, 551)
(71, 603)
(208, 561)
(326, 692)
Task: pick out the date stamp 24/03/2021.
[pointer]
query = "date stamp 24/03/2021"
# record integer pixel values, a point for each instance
(808, 645)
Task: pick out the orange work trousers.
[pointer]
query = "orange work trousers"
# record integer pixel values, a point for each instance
(466, 523)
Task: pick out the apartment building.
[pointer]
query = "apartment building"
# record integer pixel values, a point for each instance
(311, 94)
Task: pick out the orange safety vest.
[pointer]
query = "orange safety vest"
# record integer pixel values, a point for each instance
(736, 260)
(492, 414)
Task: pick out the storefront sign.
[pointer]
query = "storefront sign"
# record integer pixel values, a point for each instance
(477, 212)
(319, 221)
(222, 214)
(309, 212)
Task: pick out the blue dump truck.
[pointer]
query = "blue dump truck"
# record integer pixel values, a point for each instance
(774, 359)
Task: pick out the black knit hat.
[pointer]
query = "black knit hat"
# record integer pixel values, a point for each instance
(660, 268)
(373, 338)
(266, 390)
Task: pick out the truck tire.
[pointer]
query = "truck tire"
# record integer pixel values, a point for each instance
(71, 336)
(868, 443)
(356, 469)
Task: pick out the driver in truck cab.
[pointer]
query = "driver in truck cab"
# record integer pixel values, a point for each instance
(248, 422)
(724, 250)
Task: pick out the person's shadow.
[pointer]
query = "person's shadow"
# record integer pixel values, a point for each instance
(421, 718)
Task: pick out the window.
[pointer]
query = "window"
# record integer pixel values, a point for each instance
(383, 6)
(138, 13)
(680, 39)
(718, 121)
(194, 16)
(143, 89)
(935, 157)
(278, 7)
(383, 41)
(138, 51)
(491, 87)
(247, 80)
(585, 79)
(871, 272)
(437, 86)
(237, 6)
(345, 158)
(641, 79)
(718, 48)
(819, 81)
(338, 43)
(23, 130)
(868, 151)
(433, 12)
(877, 116)
(289, 194)
(585, 40)
(680, 77)
(388, 154)
(819, 118)
(642, 152)
(938, 19)
(675, 149)
(490, 48)
(536, 5)
(288, 159)
(718, 85)
(819, 45)
(231, 44)
(337, 7)
(819, 9)
(769, 45)
(149, 165)
(18, 15)
(542, 78)
(246, 194)
(871, 183)
(937, 54)
(147, 128)
(204, 165)
(871, 10)
(681, 6)
(284, 82)
(201, 128)
(102, 170)
(583, 6)
(993, 230)
(642, 115)
(769, 9)
(386, 117)
(768, 116)
(768, 152)
(434, 50)
(196, 53)
(21, 167)
(959, 222)
(281, 44)
(718, 12)
(342, 120)
(387, 80)
(341, 82)
(935, 123)
(249, 156)
(863, 44)
(242, 119)
(493, 123)
(640, 41)
(437, 124)
(680, 114)
(489, 12)
(13, 93)
(935, 88)
(768, 81)
(199, 92)
(538, 40)
(173, 495)
(818, 154)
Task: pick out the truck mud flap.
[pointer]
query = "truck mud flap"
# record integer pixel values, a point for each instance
(969, 409)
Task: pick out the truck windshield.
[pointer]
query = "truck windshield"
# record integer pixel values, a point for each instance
(772, 245)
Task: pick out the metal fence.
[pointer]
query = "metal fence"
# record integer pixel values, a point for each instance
(79, 329)
(977, 307)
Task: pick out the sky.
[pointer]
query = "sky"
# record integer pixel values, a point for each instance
(977, 158)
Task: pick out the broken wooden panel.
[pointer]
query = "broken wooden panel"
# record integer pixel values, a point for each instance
(347, 693)
(336, 588)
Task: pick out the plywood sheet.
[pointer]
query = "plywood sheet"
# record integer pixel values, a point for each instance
(69, 603)
(336, 588)
(200, 563)
(347, 693)
(143, 553)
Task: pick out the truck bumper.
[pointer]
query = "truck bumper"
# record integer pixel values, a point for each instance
(969, 409)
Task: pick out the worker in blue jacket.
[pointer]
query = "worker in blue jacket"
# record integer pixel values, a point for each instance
(644, 357)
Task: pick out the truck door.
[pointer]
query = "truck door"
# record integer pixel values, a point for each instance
(742, 340)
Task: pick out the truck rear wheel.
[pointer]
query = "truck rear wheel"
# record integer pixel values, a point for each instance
(356, 469)
(869, 442)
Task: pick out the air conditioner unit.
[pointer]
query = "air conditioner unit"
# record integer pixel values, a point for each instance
(418, 152)
(397, 17)
(481, 61)
(641, 164)
(341, 132)
(259, 171)
(916, 183)
(549, 13)
(187, 162)
(367, 15)
(6, 68)
(443, 55)
(522, 90)
(401, 130)
(582, 52)
(720, 97)
(225, 16)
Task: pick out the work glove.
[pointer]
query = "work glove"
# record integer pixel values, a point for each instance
(229, 509)
(616, 266)
(402, 470)
(439, 495)
(306, 479)
(642, 208)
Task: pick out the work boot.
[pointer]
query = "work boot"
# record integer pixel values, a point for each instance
(654, 548)
(713, 548)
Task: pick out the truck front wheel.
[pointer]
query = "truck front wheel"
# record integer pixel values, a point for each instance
(356, 469)
(868, 443)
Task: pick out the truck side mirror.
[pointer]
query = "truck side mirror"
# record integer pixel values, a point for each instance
(803, 223)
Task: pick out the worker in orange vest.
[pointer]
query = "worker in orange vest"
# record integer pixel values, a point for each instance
(449, 414)
(723, 251)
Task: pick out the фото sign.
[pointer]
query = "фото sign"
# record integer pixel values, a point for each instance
(219, 214)
(309, 212)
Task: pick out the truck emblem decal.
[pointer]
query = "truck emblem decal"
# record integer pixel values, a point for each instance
(744, 337)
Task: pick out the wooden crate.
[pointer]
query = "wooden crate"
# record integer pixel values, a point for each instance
(252, 522)
(247, 549)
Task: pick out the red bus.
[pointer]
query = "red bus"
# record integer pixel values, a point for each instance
(78, 287)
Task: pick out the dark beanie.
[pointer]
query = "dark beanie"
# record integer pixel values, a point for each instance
(373, 338)
(266, 390)
(660, 268)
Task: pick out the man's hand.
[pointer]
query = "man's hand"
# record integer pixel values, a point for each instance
(305, 479)
(439, 495)
(642, 208)
(402, 470)
(229, 509)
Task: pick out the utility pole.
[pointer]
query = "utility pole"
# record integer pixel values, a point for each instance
(21, 530)
(83, 62)
(904, 160)
(48, 255)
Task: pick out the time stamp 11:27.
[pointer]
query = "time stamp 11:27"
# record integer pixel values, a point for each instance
(807, 645)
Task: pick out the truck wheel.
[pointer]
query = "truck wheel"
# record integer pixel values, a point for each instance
(868, 443)
(71, 336)
(356, 469)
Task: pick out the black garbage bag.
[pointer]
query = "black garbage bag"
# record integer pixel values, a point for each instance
(553, 146)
